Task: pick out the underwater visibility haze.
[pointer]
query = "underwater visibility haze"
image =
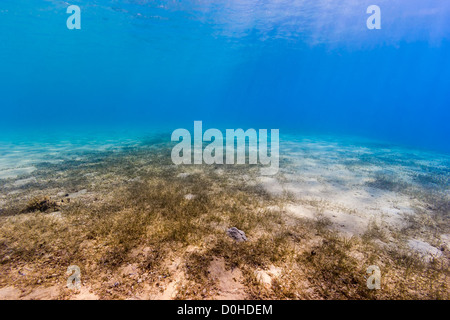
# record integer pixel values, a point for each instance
(308, 66)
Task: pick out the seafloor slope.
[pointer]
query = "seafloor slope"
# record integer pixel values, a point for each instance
(140, 227)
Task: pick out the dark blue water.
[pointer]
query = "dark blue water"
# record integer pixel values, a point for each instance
(306, 66)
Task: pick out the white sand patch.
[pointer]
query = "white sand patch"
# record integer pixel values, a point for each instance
(351, 209)
(77, 194)
(85, 294)
(301, 211)
(43, 293)
(265, 276)
(10, 293)
(271, 185)
(23, 182)
(57, 215)
(168, 291)
(191, 171)
(190, 196)
(352, 185)
(425, 249)
(14, 173)
(348, 224)
(183, 175)
(445, 238)
(228, 281)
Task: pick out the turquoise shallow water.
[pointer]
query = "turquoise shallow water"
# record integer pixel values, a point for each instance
(22, 153)
(301, 66)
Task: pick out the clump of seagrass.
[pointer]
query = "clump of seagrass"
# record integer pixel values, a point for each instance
(42, 204)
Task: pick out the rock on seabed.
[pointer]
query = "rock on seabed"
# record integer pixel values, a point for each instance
(236, 234)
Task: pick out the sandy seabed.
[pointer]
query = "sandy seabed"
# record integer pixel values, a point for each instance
(140, 227)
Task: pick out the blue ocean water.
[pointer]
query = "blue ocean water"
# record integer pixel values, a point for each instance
(308, 66)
